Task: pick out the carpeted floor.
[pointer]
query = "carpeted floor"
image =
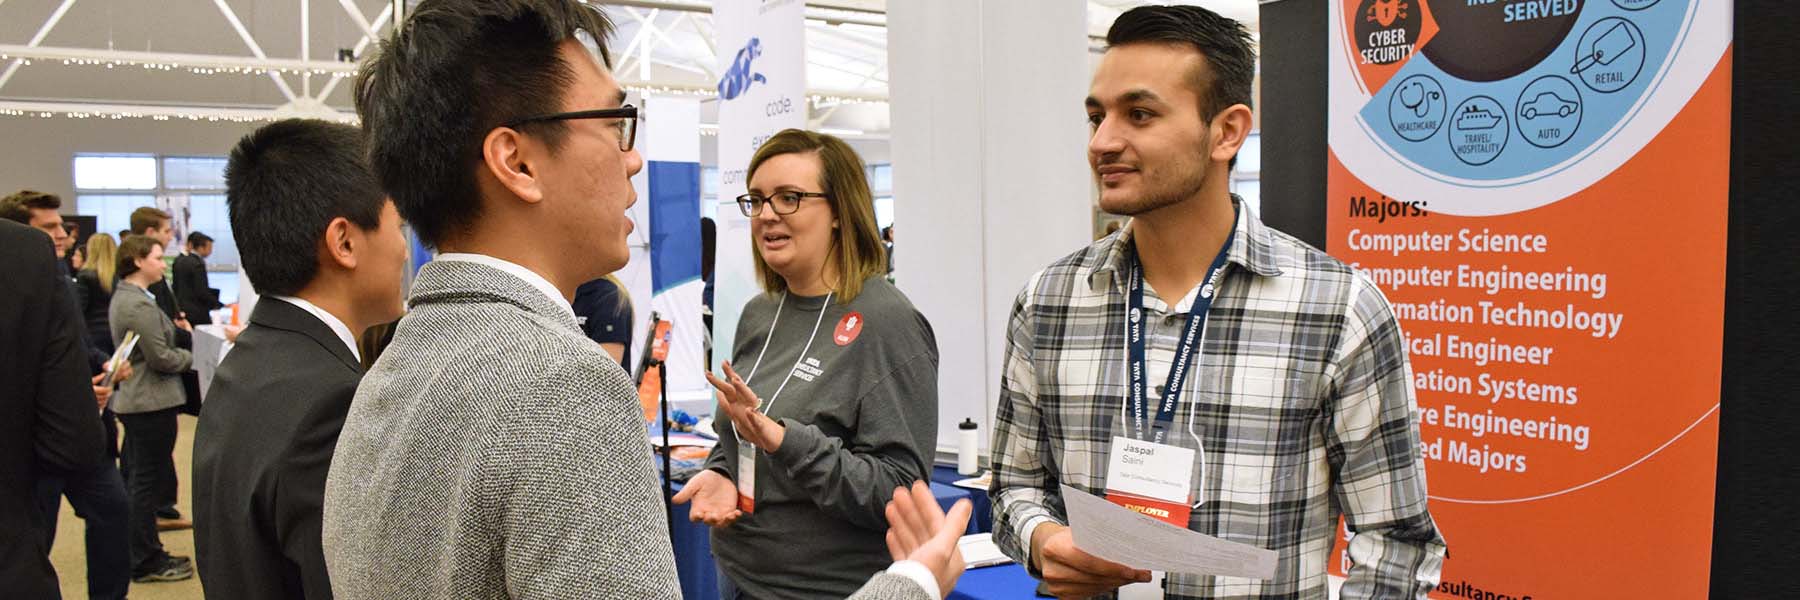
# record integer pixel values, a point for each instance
(70, 558)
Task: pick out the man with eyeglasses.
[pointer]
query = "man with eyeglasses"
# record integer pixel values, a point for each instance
(493, 451)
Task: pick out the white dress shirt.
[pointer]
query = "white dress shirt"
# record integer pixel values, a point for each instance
(337, 326)
(531, 277)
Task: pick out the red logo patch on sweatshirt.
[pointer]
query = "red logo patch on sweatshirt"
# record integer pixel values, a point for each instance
(848, 328)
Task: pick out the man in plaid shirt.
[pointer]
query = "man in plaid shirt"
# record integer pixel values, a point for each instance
(1299, 397)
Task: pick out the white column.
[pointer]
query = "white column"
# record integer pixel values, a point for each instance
(990, 173)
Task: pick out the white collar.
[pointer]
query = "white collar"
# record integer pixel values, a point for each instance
(337, 326)
(531, 277)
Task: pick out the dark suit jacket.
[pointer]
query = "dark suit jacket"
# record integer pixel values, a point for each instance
(95, 300)
(261, 454)
(192, 292)
(47, 408)
(165, 300)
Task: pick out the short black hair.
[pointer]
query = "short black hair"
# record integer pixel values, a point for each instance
(283, 184)
(453, 72)
(197, 239)
(1225, 44)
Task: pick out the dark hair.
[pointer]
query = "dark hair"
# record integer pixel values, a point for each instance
(199, 240)
(283, 184)
(455, 71)
(18, 206)
(145, 218)
(1224, 43)
(134, 247)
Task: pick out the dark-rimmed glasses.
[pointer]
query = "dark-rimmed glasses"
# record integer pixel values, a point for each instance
(627, 124)
(783, 203)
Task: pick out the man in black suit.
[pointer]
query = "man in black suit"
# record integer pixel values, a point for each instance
(47, 405)
(323, 245)
(193, 293)
(97, 493)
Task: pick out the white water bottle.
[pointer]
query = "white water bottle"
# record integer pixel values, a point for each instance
(965, 448)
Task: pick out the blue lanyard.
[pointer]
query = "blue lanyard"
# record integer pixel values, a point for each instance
(1185, 349)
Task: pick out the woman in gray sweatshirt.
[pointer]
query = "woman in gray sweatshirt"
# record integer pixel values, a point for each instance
(844, 371)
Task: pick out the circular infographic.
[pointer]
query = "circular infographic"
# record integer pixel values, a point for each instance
(1557, 74)
(1416, 108)
(1549, 111)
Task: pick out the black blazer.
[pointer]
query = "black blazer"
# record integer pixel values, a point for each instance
(94, 301)
(47, 408)
(261, 453)
(192, 292)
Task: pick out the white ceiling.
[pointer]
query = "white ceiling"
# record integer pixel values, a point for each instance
(846, 50)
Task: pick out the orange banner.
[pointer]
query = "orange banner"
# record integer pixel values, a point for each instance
(1540, 189)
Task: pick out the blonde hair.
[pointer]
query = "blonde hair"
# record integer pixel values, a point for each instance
(102, 259)
(624, 296)
(856, 241)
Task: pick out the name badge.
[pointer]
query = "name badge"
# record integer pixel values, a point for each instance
(1151, 478)
(746, 477)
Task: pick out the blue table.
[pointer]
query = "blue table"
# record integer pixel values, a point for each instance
(982, 519)
(999, 582)
(693, 546)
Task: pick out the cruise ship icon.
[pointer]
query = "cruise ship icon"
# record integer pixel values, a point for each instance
(1475, 117)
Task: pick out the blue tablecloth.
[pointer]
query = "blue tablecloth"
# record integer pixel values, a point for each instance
(699, 579)
(999, 582)
(982, 519)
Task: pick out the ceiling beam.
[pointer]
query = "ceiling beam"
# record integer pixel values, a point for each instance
(42, 33)
(380, 21)
(230, 15)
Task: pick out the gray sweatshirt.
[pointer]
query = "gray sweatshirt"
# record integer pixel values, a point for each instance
(860, 413)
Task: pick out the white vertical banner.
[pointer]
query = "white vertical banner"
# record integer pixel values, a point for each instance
(672, 160)
(762, 90)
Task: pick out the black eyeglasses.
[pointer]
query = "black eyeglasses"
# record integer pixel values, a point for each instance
(783, 203)
(627, 124)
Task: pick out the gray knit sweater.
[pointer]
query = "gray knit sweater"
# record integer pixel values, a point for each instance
(495, 452)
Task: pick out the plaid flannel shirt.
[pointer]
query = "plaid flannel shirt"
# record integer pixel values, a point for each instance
(1302, 400)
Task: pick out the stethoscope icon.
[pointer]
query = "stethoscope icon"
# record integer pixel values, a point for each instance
(1413, 96)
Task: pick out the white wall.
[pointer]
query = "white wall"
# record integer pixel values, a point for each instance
(990, 174)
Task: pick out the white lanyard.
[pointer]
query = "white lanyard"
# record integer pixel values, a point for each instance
(770, 403)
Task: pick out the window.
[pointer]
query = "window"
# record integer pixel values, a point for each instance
(109, 186)
(115, 172)
(1246, 179)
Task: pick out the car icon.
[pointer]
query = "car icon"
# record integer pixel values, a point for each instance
(1475, 117)
(1547, 103)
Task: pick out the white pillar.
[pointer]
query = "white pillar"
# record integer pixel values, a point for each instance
(990, 173)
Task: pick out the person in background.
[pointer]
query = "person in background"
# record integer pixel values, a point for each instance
(324, 247)
(94, 288)
(1299, 400)
(77, 258)
(47, 405)
(68, 258)
(494, 451)
(97, 493)
(193, 292)
(887, 242)
(148, 403)
(848, 369)
(39, 210)
(603, 309)
(709, 241)
(157, 225)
